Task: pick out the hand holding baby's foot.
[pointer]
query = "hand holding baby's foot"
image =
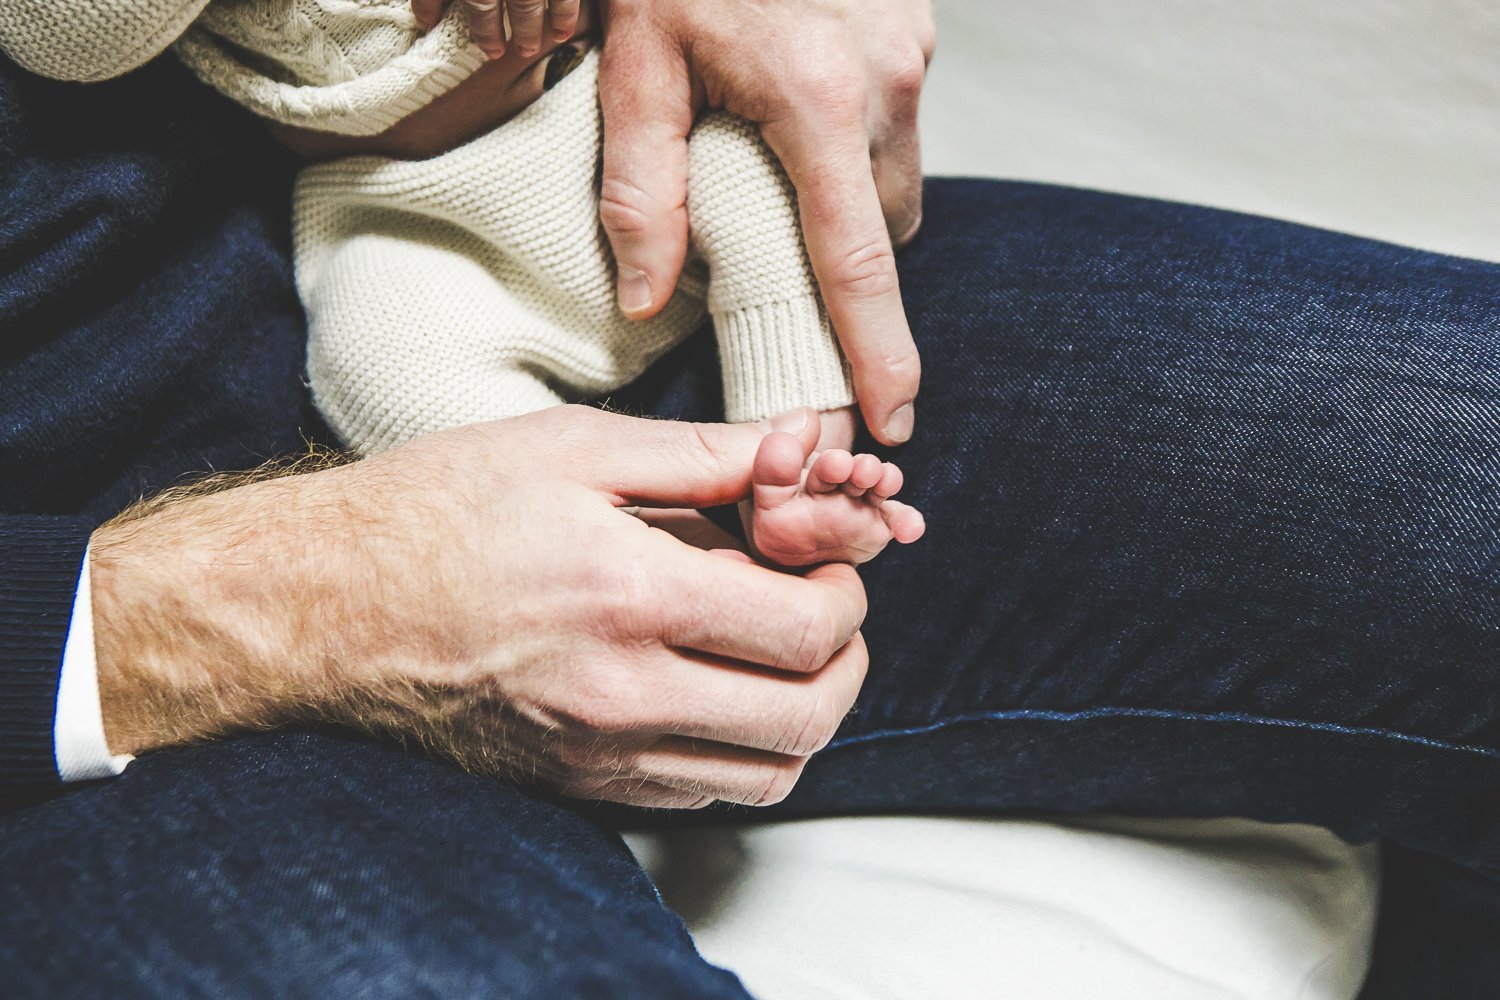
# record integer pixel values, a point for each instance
(836, 507)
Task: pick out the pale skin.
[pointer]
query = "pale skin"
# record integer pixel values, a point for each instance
(834, 85)
(481, 591)
(515, 619)
(824, 506)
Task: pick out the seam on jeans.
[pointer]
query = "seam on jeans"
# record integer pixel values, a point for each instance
(1031, 714)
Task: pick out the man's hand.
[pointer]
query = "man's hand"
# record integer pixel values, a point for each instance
(834, 86)
(533, 23)
(482, 593)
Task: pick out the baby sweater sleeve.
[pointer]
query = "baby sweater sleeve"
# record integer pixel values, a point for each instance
(91, 40)
(471, 286)
(776, 346)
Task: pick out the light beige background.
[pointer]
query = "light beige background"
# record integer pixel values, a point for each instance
(1378, 117)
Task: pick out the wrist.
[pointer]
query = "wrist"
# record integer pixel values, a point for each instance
(193, 631)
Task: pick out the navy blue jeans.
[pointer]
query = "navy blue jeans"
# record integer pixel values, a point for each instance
(1213, 509)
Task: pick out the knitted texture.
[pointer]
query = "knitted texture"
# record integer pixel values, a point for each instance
(477, 285)
(355, 67)
(93, 39)
(351, 66)
(776, 346)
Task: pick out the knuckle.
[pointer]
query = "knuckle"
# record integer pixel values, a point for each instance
(600, 705)
(624, 207)
(868, 271)
(526, 8)
(859, 654)
(818, 726)
(777, 783)
(625, 596)
(571, 429)
(596, 716)
(575, 419)
(703, 450)
(905, 73)
(834, 87)
(817, 641)
(903, 368)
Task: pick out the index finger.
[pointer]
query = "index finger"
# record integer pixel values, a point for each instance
(748, 612)
(852, 258)
(527, 19)
(646, 102)
(427, 12)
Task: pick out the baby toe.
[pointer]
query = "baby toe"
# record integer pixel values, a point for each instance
(778, 461)
(865, 474)
(830, 471)
(891, 481)
(906, 523)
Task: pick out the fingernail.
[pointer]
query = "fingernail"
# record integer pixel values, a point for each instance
(635, 291)
(790, 422)
(898, 428)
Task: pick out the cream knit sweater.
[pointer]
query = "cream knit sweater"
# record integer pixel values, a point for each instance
(477, 284)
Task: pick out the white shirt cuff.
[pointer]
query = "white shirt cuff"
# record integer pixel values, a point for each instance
(78, 730)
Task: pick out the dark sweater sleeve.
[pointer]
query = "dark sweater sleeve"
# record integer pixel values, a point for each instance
(40, 559)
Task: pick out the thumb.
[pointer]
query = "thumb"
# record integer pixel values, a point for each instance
(646, 98)
(669, 463)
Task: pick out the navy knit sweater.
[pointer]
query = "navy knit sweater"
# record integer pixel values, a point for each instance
(148, 330)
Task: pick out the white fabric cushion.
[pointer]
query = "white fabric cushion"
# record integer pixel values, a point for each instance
(972, 908)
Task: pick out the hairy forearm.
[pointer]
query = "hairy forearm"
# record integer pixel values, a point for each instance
(247, 604)
(478, 592)
(206, 614)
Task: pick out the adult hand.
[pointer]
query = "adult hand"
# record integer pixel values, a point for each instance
(481, 592)
(532, 22)
(834, 86)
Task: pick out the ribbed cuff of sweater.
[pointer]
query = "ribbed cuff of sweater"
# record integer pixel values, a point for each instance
(40, 558)
(778, 356)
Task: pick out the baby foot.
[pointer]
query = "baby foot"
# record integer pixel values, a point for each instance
(829, 507)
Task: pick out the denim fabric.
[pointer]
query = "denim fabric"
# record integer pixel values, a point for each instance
(1213, 511)
(314, 865)
(148, 329)
(1213, 517)
(148, 323)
